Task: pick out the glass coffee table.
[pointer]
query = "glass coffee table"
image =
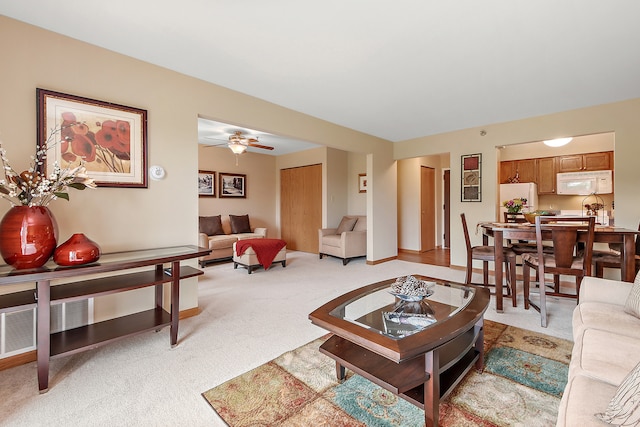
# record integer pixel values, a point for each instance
(418, 350)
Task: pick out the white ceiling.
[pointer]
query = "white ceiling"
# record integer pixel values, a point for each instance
(396, 70)
(216, 133)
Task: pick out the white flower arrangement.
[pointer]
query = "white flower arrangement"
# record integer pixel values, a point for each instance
(32, 187)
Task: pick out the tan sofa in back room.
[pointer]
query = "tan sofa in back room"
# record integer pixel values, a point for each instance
(219, 235)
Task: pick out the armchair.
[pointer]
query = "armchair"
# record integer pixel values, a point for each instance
(347, 241)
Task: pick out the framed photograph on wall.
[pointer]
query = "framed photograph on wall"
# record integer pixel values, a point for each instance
(206, 184)
(471, 179)
(232, 185)
(362, 182)
(111, 139)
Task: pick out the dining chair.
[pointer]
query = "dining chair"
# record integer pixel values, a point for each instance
(486, 254)
(611, 259)
(565, 259)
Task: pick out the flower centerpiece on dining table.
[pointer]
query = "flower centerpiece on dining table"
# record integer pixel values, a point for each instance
(28, 231)
(515, 205)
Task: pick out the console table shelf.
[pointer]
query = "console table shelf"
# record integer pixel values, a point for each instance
(93, 335)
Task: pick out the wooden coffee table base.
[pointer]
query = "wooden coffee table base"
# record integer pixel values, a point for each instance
(414, 380)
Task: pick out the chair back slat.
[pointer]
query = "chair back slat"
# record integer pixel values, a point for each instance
(467, 240)
(564, 235)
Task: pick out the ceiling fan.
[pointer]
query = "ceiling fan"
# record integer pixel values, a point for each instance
(238, 143)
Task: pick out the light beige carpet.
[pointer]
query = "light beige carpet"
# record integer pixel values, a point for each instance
(245, 321)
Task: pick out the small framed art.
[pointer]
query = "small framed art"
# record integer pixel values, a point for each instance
(206, 184)
(471, 179)
(232, 185)
(362, 182)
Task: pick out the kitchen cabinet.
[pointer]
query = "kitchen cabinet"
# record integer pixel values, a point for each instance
(546, 175)
(585, 162)
(524, 168)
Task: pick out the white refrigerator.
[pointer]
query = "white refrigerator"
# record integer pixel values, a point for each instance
(528, 190)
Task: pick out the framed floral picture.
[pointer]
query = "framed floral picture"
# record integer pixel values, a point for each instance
(110, 139)
(232, 185)
(206, 184)
(471, 179)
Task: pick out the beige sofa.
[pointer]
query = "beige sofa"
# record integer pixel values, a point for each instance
(606, 348)
(347, 244)
(221, 245)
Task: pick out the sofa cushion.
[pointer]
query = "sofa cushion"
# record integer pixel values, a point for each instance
(346, 224)
(606, 317)
(624, 407)
(239, 224)
(331, 240)
(361, 224)
(221, 241)
(582, 398)
(632, 306)
(210, 225)
(604, 355)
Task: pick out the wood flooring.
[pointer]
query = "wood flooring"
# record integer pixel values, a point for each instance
(438, 256)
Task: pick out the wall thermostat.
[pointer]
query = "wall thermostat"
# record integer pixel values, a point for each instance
(156, 172)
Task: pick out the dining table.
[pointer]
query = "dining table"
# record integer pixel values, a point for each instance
(526, 231)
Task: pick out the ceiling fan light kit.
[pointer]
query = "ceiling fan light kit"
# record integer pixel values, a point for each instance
(237, 147)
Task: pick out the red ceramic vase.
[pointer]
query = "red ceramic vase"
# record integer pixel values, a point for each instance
(27, 236)
(78, 250)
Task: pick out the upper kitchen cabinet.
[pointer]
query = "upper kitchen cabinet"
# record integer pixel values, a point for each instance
(584, 162)
(546, 175)
(524, 170)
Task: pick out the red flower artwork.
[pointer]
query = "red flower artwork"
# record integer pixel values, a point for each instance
(104, 145)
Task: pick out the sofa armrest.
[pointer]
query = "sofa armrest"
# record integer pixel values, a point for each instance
(594, 289)
(203, 240)
(326, 231)
(354, 243)
(260, 231)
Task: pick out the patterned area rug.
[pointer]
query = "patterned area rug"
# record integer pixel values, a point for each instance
(524, 376)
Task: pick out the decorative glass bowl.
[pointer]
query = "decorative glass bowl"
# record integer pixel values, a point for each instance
(531, 216)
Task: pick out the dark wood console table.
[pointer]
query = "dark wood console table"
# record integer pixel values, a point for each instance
(165, 261)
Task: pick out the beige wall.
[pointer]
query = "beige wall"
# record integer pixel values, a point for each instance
(260, 171)
(166, 212)
(579, 144)
(409, 208)
(621, 118)
(357, 200)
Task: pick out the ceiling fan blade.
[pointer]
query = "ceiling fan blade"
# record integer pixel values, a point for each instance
(264, 147)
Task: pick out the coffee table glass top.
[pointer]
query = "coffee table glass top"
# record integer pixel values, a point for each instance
(379, 311)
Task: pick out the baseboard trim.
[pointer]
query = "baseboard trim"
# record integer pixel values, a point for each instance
(17, 360)
(409, 251)
(380, 261)
(32, 356)
(184, 314)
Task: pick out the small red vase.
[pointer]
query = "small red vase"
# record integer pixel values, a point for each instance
(27, 236)
(78, 250)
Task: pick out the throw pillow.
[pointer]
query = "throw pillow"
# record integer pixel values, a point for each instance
(624, 407)
(210, 225)
(361, 225)
(239, 224)
(632, 306)
(346, 224)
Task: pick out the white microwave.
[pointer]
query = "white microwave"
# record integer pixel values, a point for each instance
(585, 183)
